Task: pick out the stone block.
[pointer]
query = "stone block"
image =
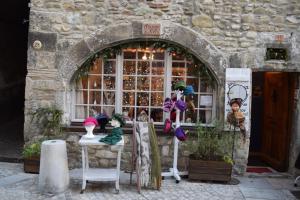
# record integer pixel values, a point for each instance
(80, 52)
(202, 21)
(48, 40)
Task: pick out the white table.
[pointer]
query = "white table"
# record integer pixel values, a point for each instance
(99, 174)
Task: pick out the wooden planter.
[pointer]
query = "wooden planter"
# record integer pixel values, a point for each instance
(32, 164)
(200, 170)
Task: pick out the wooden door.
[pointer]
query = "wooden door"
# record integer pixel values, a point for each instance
(275, 138)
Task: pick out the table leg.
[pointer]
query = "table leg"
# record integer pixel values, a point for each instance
(83, 154)
(118, 170)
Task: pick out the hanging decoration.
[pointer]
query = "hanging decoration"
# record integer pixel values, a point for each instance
(173, 49)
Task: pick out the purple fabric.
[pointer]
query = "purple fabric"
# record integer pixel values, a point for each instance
(180, 134)
(181, 105)
(168, 105)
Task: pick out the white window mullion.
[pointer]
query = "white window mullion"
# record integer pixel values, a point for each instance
(119, 83)
(168, 78)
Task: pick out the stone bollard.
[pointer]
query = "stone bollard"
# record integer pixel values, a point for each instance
(54, 171)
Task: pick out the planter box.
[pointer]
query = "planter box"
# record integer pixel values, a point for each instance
(200, 170)
(32, 165)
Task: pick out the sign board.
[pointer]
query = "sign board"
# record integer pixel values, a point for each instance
(238, 85)
(151, 29)
(206, 100)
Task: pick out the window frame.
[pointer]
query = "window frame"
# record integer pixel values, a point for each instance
(168, 61)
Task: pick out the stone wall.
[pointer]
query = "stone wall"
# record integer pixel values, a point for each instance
(222, 33)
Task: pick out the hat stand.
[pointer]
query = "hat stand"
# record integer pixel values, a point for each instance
(173, 172)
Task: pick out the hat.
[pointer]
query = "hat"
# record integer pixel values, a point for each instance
(168, 105)
(181, 105)
(188, 90)
(180, 134)
(236, 100)
(102, 119)
(119, 118)
(179, 85)
(90, 121)
(167, 126)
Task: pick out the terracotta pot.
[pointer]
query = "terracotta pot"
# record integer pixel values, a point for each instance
(32, 164)
(200, 170)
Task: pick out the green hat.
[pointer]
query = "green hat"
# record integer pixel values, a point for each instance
(119, 118)
(179, 85)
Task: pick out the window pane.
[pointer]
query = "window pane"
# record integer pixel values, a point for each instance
(157, 84)
(158, 55)
(190, 116)
(142, 99)
(143, 83)
(97, 67)
(158, 68)
(81, 97)
(128, 112)
(95, 97)
(110, 67)
(178, 69)
(206, 101)
(80, 112)
(95, 82)
(82, 84)
(109, 110)
(128, 99)
(193, 99)
(109, 82)
(108, 98)
(143, 68)
(128, 83)
(95, 110)
(156, 114)
(142, 54)
(192, 69)
(205, 87)
(177, 56)
(157, 99)
(205, 116)
(129, 67)
(193, 82)
(130, 54)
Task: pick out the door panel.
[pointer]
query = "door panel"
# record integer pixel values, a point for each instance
(276, 112)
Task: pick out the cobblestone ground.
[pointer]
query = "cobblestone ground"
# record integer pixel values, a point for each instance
(15, 185)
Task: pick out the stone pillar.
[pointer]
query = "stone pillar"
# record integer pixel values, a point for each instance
(54, 172)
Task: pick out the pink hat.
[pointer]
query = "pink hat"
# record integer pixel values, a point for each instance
(90, 121)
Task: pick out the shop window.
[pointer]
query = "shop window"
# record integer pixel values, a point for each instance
(277, 54)
(136, 84)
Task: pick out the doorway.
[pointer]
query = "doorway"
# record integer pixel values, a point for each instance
(272, 100)
(14, 16)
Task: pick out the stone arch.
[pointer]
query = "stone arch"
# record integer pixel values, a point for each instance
(197, 44)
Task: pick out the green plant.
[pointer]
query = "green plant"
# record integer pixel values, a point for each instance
(210, 143)
(49, 119)
(32, 150)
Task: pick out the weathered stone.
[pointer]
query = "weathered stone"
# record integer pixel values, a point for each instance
(202, 21)
(48, 40)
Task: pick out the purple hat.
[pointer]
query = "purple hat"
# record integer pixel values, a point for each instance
(180, 134)
(167, 126)
(168, 105)
(90, 121)
(181, 105)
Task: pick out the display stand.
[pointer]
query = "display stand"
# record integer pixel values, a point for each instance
(98, 174)
(173, 172)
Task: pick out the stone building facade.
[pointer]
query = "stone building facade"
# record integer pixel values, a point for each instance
(221, 33)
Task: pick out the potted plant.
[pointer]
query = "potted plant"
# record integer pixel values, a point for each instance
(210, 154)
(48, 119)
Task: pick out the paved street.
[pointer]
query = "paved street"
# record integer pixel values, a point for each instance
(14, 184)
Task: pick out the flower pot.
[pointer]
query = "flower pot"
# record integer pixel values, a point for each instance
(200, 170)
(32, 164)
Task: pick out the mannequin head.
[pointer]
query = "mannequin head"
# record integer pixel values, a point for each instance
(115, 123)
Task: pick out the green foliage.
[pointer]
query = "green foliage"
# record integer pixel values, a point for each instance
(32, 149)
(210, 143)
(107, 53)
(49, 119)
